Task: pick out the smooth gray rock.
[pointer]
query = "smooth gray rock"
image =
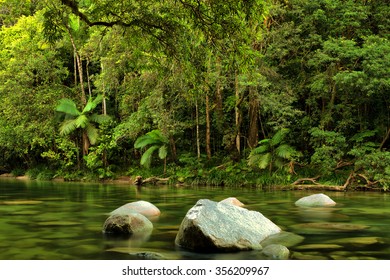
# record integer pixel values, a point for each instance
(276, 252)
(143, 207)
(315, 200)
(132, 224)
(220, 227)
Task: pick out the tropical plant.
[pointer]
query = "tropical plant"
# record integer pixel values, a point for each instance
(156, 141)
(273, 152)
(84, 120)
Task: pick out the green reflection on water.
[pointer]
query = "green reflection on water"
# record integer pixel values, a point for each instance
(51, 220)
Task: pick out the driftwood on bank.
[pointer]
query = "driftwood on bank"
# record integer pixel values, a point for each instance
(151, 180)
(316, 187)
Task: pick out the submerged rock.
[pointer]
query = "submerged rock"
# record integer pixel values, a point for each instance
(320, 228)
(220, 227)
(315, 200)
(142, 207)
(284, 238)
(132, 224)
(276, 252)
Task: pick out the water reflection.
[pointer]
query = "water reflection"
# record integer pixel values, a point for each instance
(51, 220)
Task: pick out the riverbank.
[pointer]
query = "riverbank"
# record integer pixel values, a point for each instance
(135, 180)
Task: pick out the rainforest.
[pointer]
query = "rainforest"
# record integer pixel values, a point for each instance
(202, 92)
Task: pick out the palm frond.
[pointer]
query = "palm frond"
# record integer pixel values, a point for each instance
(92, 104)
(157, 135)
(146, 158)
(260, 149)
(82, 121)
(143, 141)
(68, 107)
(279, 137)
(92, 133)
(285, 151)
(263, 161)
(99, 118)
(68, 127)
(162, 152)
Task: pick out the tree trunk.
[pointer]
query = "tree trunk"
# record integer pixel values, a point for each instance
(79, 66)
(197, 130)
(219, 98)
(253, 137)
(385, 139)
(237, 113)
(208, 128)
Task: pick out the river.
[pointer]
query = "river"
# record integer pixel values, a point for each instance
(61, 221)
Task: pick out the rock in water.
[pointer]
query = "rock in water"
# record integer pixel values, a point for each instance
(315, 200)
(232, 201)
(276, 252)
(143, 207)
(132, 224)
(220, 227)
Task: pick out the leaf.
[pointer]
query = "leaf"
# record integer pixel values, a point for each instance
(146, 158)
(92, 133)
(264, 161)
(143, 141)
(68, 107)
(157, 135)
(68, 127)
(99, 118)
(285, 151)
(92, 104)
(82, 121)
(163, 152)
(279, 137)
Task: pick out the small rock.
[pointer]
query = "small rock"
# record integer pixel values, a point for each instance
(142, 207)
(233, 201)
(133, 224)
(284, 238)
(276, 252)
(315, 200)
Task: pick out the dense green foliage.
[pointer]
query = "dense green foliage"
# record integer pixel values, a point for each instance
(222, 89)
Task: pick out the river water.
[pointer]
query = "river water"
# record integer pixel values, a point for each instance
(61, 221)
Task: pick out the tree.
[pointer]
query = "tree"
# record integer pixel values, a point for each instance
(73, 119)
(156, 141)
(273, 152)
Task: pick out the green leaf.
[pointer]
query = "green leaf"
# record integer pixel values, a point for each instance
(146, 158)
(163, 152)
(99, 118)
(68, 107)
(92, 133)
(285, 151)
(82, 121)
(279, 137)
(92, 104)
(143, 141)
(68, 127)
(264, 161)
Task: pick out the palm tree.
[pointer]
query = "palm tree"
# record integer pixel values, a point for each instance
(84, 120)
(156, 141)
(273, 152)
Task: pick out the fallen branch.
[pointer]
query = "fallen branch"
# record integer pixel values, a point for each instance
(151, 180)
(302, 180)
(369, 183)
(317, 187)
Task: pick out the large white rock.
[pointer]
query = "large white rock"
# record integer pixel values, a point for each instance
(315, 200)
(220, 227)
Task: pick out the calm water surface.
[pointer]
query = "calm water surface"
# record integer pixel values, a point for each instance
(51, 220)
